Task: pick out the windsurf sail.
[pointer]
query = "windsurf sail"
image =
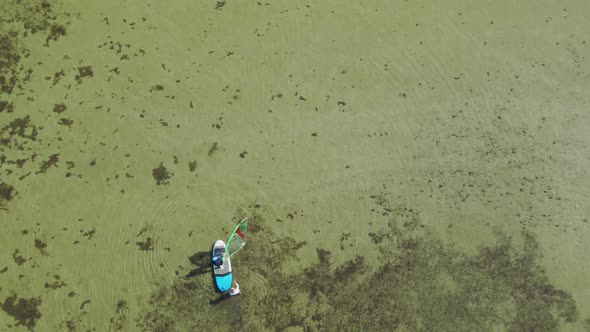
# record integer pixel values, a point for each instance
(237, 239)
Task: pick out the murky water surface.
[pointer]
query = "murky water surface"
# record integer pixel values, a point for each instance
(407, 166)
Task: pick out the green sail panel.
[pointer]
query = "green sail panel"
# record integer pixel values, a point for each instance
(237, 239)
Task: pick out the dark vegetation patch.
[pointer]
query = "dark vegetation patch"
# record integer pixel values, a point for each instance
(219, 124)
(89, 234)
(7, 193)
(119, 320)
(50, 162)
(18, 259)
(70, 325)
(36, 16)
(376, 238)
(350, 269)
(57, 76)
(147, 245)
(59, 108)
(75, 322)
(55, 32)
(16, 133)
(161, 174)
(343, 239)
(10, 55)
(121, 306)
(88, 301)
(453, 291)
(84, 71)
(7, 107)
(55, 284)
(15, 138)
(324, 256)
(19, 20)
(212, 149)
(192, 166)
(24, 311)
(157, 87)
(418, 283)
(39, 244)
(66, 122)
(7, 84)
(219, 5)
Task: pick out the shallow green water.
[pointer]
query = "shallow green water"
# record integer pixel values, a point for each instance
(406, 166)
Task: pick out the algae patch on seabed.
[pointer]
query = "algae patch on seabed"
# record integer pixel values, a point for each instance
(161, 174)
(146, 245)
(9, 58)
(119, 320)
(20, 20)
(24, 311)
(7, 192)
(19, 133)
(422, 284)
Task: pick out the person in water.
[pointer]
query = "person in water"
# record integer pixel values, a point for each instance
(227, 295)
(234, 290)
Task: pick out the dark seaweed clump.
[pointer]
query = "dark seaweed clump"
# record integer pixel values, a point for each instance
(59, 108)
(431, 287)
(24, 311)
(21, 18)
(219, 5)
(146, 245)
(17, 133)
(7, 193)
(51, 161)
(42, 246)
(84, 71)
(212, 149)
(66, 122)
(36, 15)
(18, 258)
(420, 284)
(14, 136)
(192, 166)
(55, 32)
(161, 174)
(7, 107)
(10, 55)
(119, 320)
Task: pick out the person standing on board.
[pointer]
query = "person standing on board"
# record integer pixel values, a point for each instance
(217, 261)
